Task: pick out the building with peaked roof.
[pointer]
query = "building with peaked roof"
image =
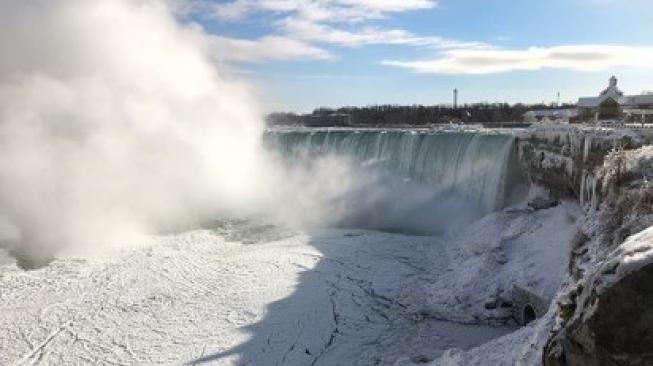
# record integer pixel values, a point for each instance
(612, 104)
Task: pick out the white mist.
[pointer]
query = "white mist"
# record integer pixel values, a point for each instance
(115, 123)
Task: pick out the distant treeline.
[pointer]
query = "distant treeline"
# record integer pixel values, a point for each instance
(395, 115)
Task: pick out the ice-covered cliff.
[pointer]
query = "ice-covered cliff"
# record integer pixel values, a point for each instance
(564, 158)
(603, 313)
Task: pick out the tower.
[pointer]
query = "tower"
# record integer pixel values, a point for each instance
(612, 89)
(455, 98)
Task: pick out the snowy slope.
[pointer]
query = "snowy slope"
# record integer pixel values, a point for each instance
(514, 247)
(528, 248)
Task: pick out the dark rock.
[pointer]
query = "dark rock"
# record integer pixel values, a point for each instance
(506, 304)
(490, 305)
(420, 359)
(350, 235)
(542, 203)
(499, 256)
(614, 327)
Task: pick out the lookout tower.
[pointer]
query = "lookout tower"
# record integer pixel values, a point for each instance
(455, 98)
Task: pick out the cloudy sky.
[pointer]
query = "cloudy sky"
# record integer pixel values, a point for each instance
(308, 53)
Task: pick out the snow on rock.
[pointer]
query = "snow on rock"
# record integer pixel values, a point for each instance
(611, 311)
(611, 306)
(617, 275)
(627, 198)
(635, 253)
(514, 247)
(563, 158)
(603, 313)
(521, 347)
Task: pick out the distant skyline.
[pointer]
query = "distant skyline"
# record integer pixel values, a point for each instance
(302, 54)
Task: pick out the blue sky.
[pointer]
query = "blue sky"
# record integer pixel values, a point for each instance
(302, 54)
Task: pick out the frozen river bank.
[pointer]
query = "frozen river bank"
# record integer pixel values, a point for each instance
(323, 299)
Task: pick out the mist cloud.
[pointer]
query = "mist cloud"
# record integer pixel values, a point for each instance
(114, 123)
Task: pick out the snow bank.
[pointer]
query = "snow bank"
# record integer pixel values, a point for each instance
(514, 247)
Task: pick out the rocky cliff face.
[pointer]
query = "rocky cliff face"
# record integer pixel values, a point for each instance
(609, 318)
(563, 159)
(604, 315)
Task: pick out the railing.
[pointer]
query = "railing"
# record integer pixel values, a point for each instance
(621, 124)
(611, 124)
(639, 125)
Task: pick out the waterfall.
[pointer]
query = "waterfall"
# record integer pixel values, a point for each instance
(479, 168)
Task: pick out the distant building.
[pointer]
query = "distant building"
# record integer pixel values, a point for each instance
(328, 120)
(612, 104)
(565, 115)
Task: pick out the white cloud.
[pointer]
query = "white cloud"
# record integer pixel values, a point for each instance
(340, 22)
(321, 33)
(238, 9)
(264, 49)
(391, 5)
(232, 11)
(573, 57)
(340, 10)
(302, 25)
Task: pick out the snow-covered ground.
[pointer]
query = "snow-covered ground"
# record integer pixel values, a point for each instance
(519, 247)
(329, 297)
(514, 247)
(324, 299)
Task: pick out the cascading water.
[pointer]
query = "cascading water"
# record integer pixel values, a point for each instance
(477, 171)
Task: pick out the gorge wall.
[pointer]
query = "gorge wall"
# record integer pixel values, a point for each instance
(564, 159)
(604, 313)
